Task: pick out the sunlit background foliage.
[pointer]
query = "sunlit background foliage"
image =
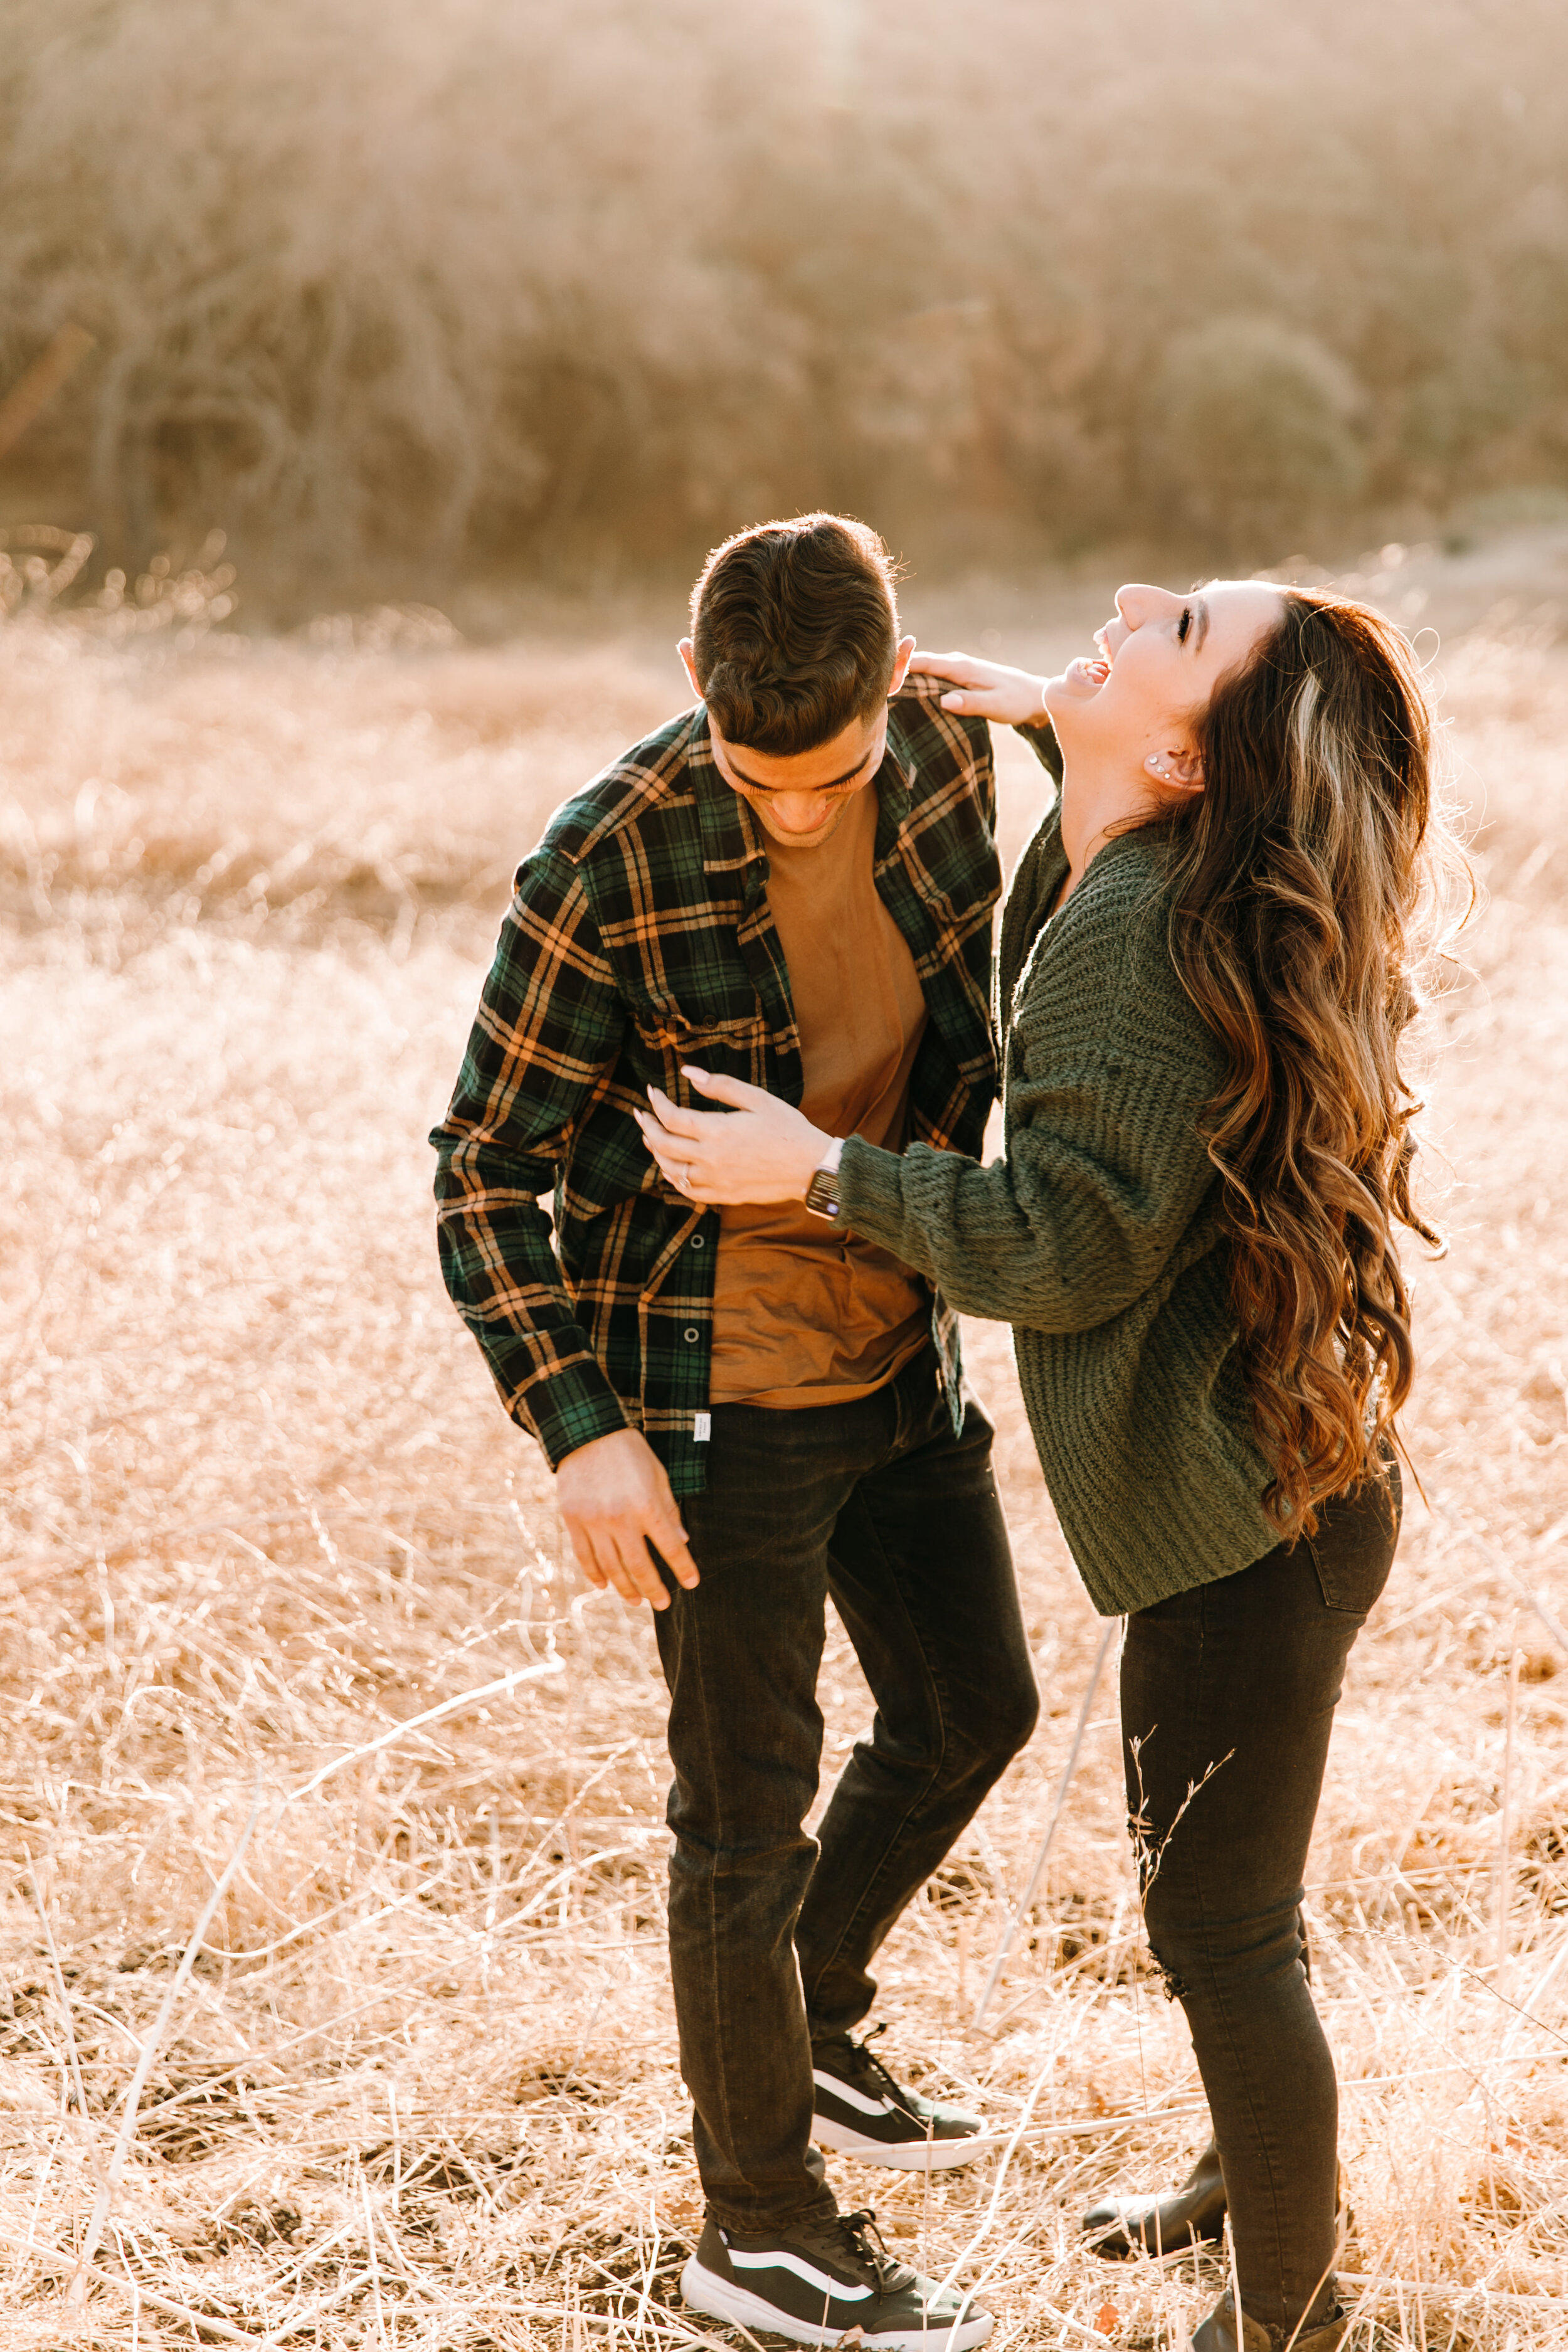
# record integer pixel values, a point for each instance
(526, 286)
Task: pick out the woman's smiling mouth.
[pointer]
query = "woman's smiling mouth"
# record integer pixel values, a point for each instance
(1093, 670)
(1090, 669)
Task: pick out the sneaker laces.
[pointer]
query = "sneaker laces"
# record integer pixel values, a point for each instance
(856, 2231)
(867, 2071)
(859, 2228)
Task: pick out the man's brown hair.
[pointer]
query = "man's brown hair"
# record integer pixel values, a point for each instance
(795, 628)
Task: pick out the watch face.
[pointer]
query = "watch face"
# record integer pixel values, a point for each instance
(822, 1194)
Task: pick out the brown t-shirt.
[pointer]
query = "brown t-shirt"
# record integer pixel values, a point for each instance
(804, 1313)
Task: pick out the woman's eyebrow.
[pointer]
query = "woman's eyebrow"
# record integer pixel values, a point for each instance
(1200, 607)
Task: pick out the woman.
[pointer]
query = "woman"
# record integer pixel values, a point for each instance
(1206, 966)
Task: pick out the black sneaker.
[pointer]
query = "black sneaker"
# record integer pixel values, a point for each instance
(1156, 2224)
(861, 2111)
(825, 2278)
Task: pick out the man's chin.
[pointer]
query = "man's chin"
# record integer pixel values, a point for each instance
(801, 840)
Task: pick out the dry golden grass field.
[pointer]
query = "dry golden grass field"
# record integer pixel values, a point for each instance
(331, 1805)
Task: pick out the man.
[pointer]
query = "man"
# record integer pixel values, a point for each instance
(751, 1410)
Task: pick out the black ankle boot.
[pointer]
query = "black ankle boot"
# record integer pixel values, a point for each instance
(1320, 2330)
(1120, 2226)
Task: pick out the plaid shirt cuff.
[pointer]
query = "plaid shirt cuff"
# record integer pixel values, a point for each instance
(567, 1407)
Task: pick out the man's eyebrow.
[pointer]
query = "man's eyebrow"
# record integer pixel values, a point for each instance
(753, 786)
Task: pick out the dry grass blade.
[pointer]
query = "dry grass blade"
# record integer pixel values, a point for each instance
(1042, 1851)
(114, 2172)
(501, 1687)
(71, 2265)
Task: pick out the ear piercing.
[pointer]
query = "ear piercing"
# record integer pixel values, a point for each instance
(1154, 762)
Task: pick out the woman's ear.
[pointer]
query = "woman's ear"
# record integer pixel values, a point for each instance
(1178, 771)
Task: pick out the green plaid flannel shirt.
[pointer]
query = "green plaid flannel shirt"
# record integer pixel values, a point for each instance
(639, 938)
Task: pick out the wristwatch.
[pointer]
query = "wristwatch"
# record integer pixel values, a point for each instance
(822, 1193)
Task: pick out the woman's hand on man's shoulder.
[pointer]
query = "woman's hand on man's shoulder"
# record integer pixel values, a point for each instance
(982, 690)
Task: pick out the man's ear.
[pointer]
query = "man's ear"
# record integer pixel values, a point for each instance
(685, 649)
(1178, 771)
(901, 661)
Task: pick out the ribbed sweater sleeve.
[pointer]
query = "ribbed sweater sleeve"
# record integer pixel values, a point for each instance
(1109, 1067)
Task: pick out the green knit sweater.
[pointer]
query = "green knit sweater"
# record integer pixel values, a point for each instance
(1098, 1237)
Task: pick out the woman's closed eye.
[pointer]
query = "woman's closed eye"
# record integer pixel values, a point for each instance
(1185, 625)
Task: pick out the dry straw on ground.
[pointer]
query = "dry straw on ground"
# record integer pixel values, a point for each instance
(287, 1623)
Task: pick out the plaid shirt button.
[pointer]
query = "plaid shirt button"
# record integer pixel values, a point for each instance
(691, 1335)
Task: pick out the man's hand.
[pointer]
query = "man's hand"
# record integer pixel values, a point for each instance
(615, 1500)
(761, 1150)
(986, 689)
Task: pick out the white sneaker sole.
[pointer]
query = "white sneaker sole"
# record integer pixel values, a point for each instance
(701, 2291)
(902, 2156)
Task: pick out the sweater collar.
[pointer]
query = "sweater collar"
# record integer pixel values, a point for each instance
(1037, 881)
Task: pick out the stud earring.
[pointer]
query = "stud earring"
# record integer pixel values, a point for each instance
(1153, 761)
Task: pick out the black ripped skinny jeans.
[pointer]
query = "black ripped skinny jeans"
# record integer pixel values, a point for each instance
(1228, 1693)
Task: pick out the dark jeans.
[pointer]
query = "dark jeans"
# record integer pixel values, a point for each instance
(770, 1933)
(1239, 1680)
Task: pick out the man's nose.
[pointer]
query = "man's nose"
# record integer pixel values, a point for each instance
(798, 814)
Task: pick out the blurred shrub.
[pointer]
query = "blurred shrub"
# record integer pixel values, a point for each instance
(1252, 431)
(379, 282)
(1458, 410)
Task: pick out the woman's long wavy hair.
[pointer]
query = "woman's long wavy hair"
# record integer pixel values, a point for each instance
(1302, 872)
